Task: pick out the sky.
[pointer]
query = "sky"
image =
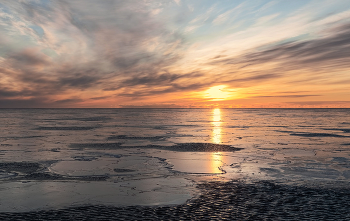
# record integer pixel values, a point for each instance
(174, 54)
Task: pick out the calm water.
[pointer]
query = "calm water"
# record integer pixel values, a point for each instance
(129, 155)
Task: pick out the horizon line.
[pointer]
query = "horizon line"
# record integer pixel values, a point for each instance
(174, 108)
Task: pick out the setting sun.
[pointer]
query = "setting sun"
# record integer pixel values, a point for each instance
(175, 109)
(217, 93)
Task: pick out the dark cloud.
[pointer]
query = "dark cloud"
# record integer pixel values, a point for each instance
(71, 100)
(29, 57)
(168, 89)
(79, 81)
(110, 40)
(99, 98)
(37, 102)
(170, 83)
(153, 79)
(8, 93)
(158, 84)
(25, 103)
(259, 77)
(165, 105)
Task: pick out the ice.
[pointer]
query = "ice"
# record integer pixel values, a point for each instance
(55, 158)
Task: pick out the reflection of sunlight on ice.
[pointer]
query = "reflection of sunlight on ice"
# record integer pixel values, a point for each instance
(216, 136)
(216, 160)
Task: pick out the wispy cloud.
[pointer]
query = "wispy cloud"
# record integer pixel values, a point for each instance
(222, 18)
(84, 44)
(332, 51)
(83, 52)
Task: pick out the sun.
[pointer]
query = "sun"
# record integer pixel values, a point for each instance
(217, 93)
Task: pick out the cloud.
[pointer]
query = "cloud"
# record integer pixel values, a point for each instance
(161, 79)
(29, 57)
(266, 19)
(79, 81)
(84, 44)
(178, 2)
(24, 103)
(288, 96)
(319, 55)
(9, 93)
(321, 103)
(71, 100)
(145, 105)
(145, 92)
(222, 18)
(37, 102)
(99, 98)
(261, 77)
(203, 17)
(71, 52)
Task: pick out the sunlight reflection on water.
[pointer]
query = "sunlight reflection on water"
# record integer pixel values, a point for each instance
(216, 122)
(216, 160)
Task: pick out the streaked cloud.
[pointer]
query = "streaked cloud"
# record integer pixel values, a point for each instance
(117, 53)
(229, 14)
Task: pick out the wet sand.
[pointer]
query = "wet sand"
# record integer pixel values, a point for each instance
(128, 195)
(232, 200)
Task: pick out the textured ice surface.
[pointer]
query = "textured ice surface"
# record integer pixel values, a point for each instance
(53, 158)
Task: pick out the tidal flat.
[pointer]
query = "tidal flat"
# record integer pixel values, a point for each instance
(236, 164)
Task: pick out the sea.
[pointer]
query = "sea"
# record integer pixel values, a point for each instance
(236, 164)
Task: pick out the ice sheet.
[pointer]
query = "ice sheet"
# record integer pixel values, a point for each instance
(53, 158)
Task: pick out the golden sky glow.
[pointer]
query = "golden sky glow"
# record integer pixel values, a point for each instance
(195, 53)
(217, 93)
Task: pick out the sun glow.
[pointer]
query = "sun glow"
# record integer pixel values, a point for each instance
(217, 93)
